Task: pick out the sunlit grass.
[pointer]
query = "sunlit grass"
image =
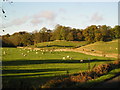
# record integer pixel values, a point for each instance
(105, 47)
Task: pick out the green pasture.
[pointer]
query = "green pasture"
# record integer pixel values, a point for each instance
(61, 44)
(105, 47)
(34, 67)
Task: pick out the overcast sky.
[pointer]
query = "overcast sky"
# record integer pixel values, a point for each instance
(30, 16)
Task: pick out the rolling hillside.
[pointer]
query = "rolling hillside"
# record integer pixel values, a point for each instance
(102, 47)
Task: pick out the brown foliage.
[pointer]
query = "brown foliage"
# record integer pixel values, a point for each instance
(82, 76)
(102, 69)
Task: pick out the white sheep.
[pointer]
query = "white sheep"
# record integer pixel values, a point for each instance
(24, 55)
(81, 60)
(63, 58)
(4, 52)
(68, 56)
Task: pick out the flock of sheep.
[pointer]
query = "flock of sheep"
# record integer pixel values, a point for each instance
(24, 52)
(36, 51)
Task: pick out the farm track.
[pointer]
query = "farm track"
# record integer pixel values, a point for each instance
(85, 51)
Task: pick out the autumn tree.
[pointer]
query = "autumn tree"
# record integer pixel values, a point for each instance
(116, 30)
(70, 37)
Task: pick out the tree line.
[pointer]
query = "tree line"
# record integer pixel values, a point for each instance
(91, 34)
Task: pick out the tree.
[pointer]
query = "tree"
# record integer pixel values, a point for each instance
(89, 33)
(44, 29)
(37, 37)
(105, 30)
(98, 37)
(70, 37)
(63, 32)
(56, 33)
(6, 42)
(117, 31)
(27, 39)
(79, 36)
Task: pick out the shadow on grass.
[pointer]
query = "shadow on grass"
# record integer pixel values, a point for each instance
(27, 75)
(53, 46)
(34, 70)
(27, 62)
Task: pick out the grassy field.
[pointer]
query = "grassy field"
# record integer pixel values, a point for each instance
(31, 68)
(61, 44)
(106, 47)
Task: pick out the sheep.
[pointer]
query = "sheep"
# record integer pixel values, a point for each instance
(68, 56)
(64, 58)
(24, 55)
(51, 50)
(36, 52)
(28, 51)
(81, 60)
(4, 52)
